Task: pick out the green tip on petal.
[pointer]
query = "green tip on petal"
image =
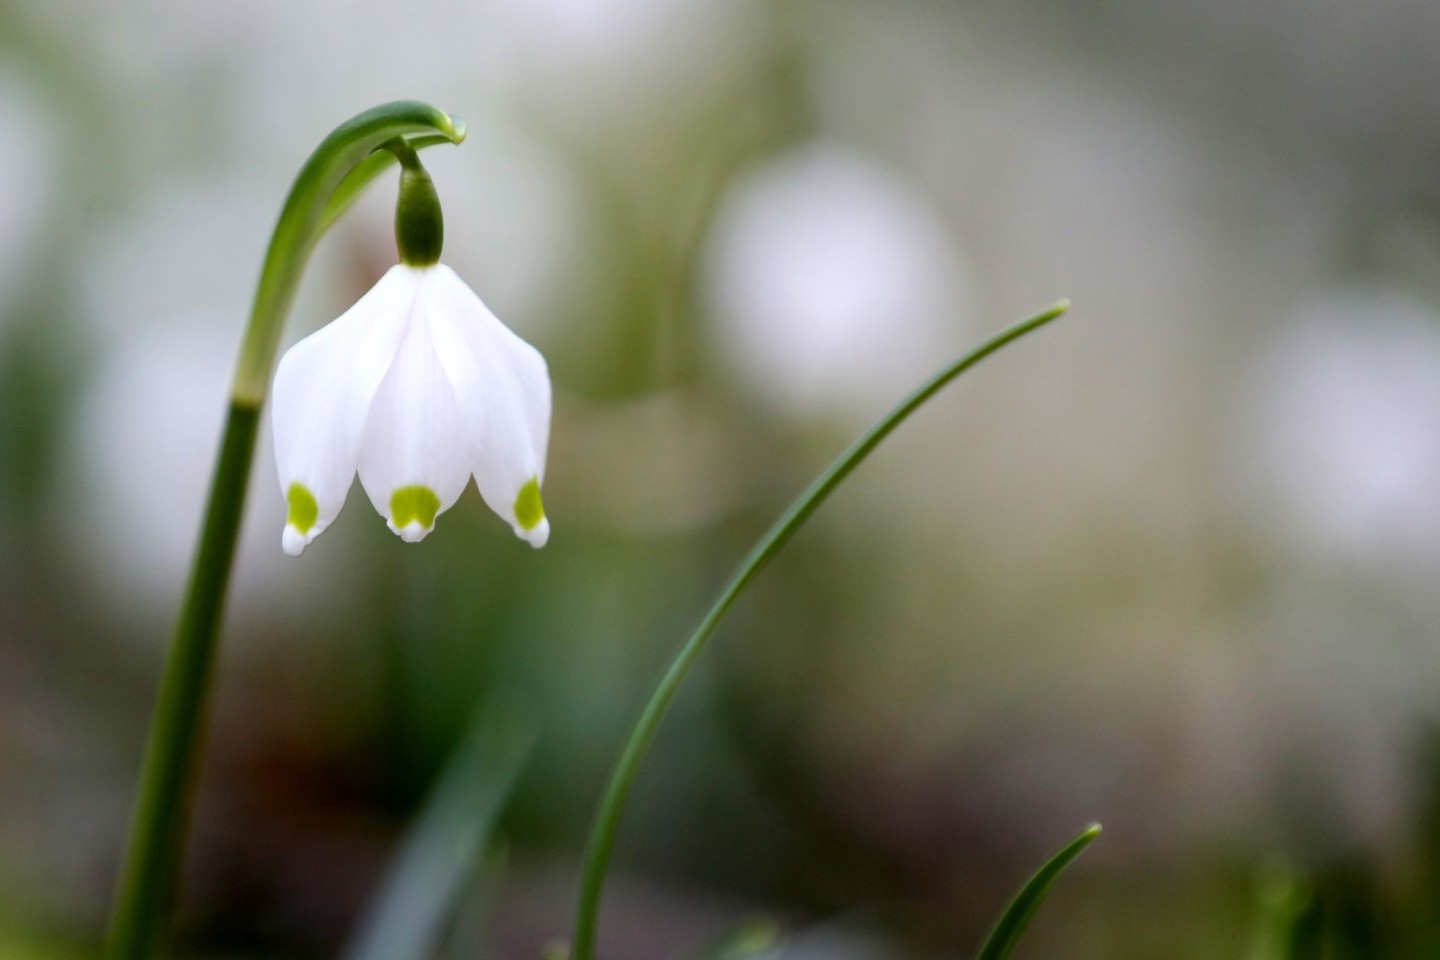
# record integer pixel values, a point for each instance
(412, 512)
(529, 509)
(301, 519)
(304, 511)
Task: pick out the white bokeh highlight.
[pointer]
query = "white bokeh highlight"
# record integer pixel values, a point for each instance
(165, 285)
(833, 286)
(1337, 433)
(29, 158)
(141, 453)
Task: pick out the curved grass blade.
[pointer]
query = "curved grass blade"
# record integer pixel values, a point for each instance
(1007, 933)
(447, 839)
(607, 817)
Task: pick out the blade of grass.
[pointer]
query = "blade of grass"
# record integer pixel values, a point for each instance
(1016, 918)
(607, 818)
(446, 840)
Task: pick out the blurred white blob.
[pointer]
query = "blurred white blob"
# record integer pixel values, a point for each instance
(180, 249)
(588, 34)
(143, 446)
(1338, 434)
(599, 63)
(27, 168)
(834, 285)
(151, 42)
(167, 289)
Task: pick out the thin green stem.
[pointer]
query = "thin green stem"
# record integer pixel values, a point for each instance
(155, 838)
(162, 808)
(607, 818)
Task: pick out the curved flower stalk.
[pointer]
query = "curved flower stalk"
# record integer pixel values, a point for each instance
(417, 387)
(333, 176)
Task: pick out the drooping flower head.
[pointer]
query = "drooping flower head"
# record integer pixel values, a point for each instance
(416, 387)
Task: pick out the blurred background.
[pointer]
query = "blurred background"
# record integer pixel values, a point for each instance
(1170, 565)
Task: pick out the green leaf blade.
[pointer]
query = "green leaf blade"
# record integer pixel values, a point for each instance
(612, 803)
(1016, 918)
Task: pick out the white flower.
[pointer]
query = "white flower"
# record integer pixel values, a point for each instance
(416, 387)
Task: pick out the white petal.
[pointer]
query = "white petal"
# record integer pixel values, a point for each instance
(323, 390)
(502, 386)
(415, 454)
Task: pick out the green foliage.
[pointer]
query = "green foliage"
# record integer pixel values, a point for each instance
(627, 766)
(1013, 922)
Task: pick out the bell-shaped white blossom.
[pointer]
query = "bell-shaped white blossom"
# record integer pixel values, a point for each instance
(417, 387)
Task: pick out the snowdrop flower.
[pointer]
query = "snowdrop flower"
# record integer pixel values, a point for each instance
(416, 387)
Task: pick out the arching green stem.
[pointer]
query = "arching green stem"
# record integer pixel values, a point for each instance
(607, 818)
(298, 230)
(161, 813)
(364, 173)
